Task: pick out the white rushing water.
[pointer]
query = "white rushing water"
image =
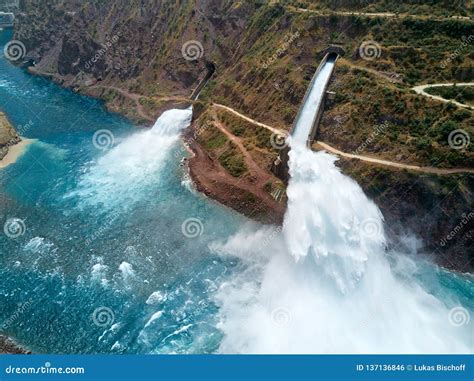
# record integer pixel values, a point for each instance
(324, 283)
(313, 101)
(126, 173)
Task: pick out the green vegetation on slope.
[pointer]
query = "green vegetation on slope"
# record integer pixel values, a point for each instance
(373, 116)
(462, 94)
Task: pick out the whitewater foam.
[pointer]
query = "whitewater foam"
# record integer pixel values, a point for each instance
(322, 286)
(127, 173)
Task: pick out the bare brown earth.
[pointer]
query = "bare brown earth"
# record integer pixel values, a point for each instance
(244, 194)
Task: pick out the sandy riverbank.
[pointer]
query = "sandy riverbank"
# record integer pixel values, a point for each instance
(15, 151)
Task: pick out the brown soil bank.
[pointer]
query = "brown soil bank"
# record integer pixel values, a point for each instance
(241, 194)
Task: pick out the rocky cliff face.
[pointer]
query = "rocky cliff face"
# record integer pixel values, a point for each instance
(152, 54)
(137, 44)
(8, 135)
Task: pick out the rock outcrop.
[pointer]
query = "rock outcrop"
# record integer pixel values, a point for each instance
(8, 135)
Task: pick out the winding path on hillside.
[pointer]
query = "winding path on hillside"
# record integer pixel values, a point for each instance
(375, 14)
(242, 116)
(136, 98)
(433, 170)
(262, 176)
(368, 159)
(420, 89)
